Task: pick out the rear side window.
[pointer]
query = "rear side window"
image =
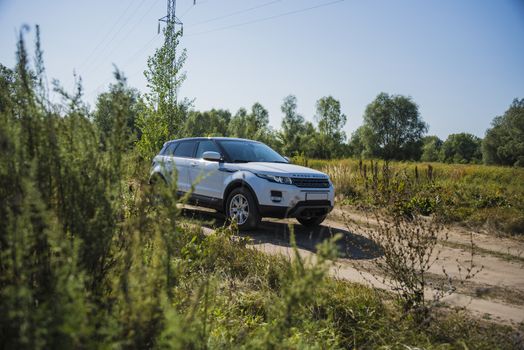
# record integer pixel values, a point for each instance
(185, 149)
(205, 146)
(169, 149)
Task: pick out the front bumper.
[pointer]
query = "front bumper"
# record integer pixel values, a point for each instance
(281, 201)
(301, 209)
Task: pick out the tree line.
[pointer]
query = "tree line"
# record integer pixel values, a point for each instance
(393, 129)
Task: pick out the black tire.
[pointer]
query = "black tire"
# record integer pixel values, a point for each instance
(157, 179)
(312, 222)
(253, 217)
(158, 186)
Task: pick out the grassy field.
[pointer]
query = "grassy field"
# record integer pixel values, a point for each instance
(481, 196)
(94, 257)
(228, 295)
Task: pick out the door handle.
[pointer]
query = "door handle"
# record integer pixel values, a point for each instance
(193, 164)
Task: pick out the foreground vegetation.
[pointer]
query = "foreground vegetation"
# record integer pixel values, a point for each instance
(91, 256)
(477, 195)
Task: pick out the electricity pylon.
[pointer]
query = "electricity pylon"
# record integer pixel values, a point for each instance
(170, 43)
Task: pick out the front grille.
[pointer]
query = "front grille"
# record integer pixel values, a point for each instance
(310, 182)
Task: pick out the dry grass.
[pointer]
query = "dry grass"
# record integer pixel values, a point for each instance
(476, 195)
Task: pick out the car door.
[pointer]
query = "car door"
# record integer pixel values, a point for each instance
(205, 175)
(182, 157)
(165, 161)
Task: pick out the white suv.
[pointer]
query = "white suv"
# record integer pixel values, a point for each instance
(246, 180)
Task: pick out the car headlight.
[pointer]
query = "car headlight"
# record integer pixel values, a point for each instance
(278, 179)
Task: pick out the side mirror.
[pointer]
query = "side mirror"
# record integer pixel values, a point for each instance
(212, 156)
(287, 159)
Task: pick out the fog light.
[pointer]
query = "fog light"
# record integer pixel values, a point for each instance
(276, 196)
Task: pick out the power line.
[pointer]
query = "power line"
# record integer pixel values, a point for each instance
(235, 13)
(128, 33)
(142, 49)
(187, 10)
(152, 40)
(107, 34)
(267, 18)
(118, 32)
(200, 2)
(170, 18)
(130, 60)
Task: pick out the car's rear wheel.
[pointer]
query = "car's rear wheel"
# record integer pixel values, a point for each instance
(311, 222)
(158, 187)
(157, 179)
(242, 208)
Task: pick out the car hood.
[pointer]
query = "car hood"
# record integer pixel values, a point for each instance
(282, 169)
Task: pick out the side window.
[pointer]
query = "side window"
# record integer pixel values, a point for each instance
(169, 149)
(205, 146)
(185, 149)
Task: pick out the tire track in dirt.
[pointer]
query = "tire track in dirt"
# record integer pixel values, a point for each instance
(358, 252)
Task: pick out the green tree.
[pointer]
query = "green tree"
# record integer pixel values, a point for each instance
(330, 120)
(504, 142)
(393, 128)
(7, 78)
(163, 115)
(120, 99)
(209, 123)
(260, 115)
(253, 126)
(461, 148)
(431, 146)
(357, 146)
(239, 127)
(292, 128)
(309, 140)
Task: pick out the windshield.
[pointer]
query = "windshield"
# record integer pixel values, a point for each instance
(245, 151)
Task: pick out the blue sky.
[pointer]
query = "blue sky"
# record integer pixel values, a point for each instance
(461, 61)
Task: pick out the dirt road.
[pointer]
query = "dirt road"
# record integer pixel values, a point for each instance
(497, 292)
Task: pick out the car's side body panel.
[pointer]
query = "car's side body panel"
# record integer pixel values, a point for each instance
(207, 178)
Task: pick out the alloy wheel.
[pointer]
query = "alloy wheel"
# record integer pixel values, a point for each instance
(239, 209)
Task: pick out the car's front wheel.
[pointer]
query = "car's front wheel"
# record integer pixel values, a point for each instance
(313, 221)
(242, 208)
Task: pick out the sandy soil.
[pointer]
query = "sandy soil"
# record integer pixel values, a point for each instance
(496, 293)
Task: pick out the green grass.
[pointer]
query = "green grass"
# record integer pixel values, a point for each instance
(476, 195)
(231, 296)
